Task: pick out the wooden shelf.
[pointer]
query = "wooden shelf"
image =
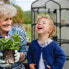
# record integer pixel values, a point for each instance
(63, 41)
(58, 25)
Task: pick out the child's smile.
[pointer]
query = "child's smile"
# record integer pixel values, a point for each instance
(40, 28)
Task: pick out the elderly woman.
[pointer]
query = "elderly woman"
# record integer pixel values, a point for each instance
(7, 12)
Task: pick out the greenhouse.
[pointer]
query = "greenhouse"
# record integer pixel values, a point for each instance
(59, 12)
(26, 21)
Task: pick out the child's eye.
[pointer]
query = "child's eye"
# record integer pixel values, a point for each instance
(44, 23)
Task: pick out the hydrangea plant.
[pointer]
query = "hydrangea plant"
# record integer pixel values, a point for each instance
(10, 42)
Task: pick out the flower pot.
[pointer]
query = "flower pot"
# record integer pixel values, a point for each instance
(62, 22)
(8, 56)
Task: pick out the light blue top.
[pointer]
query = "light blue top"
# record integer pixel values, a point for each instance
(19, 65)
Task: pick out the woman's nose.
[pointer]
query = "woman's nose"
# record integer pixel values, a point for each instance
(9, 22)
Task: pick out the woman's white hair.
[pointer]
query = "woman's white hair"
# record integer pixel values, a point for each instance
(7, 10)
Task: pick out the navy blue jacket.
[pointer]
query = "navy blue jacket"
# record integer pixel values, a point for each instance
(52, 54)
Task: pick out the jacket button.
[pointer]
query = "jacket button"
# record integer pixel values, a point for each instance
(43, 60)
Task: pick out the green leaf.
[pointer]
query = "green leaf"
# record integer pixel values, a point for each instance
(7, 43)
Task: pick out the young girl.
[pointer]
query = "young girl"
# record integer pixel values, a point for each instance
(45, 53)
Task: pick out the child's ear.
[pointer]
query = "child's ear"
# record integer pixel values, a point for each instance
(50, 30)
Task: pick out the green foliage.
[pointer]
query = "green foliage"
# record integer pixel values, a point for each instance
(28, 31)
(19, 18)
(22, 16)
(27, 17)
(11, 43)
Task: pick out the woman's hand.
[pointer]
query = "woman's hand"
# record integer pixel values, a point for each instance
(17, 56)
(2, 62)
(32, 66)
(48, 67)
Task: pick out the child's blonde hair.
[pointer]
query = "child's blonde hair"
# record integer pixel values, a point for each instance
(7, 10)
(53, 27)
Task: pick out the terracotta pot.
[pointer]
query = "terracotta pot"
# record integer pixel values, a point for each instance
(62, 22)
(8, 56)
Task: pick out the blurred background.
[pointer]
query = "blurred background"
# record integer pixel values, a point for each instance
(27, 11)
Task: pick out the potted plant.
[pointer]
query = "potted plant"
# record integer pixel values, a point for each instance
(8, 45)
(62, 22)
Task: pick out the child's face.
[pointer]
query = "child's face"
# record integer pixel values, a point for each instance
(43, 26)
(5, 24)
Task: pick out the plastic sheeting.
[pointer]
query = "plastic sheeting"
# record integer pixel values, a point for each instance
(50, 4)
